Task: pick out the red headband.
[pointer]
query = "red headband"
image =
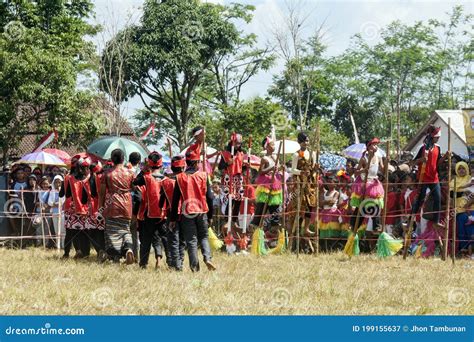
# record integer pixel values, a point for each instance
(373, 142)
(151, 163)
(178, 163)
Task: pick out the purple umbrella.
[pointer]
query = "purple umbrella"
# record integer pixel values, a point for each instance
(355, 151)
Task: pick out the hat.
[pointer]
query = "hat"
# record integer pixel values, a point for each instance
(434, 131)
(193, 153)
(81, 160)
(97, 168)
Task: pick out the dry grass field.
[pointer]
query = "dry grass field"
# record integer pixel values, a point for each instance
(37, 282)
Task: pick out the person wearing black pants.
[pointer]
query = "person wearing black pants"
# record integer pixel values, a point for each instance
(429, 158)
(153, 231)
(193, 195)
(175, 238)
(150, 234)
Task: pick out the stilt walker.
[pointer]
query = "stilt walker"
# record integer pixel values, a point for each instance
(229, 240)
(258, 243)
(428, 159)
(317, 188)
(243, 239)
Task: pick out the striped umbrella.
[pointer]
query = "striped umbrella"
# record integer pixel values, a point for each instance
(355, 151)
(41, 158)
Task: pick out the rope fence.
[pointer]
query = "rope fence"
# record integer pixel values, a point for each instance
(51, 225)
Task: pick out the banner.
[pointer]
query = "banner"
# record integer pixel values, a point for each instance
(150, 129)
(468, 116)
(46, 140)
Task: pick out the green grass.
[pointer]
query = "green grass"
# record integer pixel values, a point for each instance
(37, 282)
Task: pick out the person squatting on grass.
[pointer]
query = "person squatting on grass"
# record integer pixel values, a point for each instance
(116, 199)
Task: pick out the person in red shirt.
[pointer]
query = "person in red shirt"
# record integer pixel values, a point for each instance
(393, 207)
(250, 194)
(193, 195)
(176, 244)
(232, 177)
(116, 199)
(152, 232)
(428, 159)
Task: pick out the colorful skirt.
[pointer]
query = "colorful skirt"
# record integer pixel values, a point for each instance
(268, 191)
(329, 225)
(372, 192)
(233, 185)
(345, 222)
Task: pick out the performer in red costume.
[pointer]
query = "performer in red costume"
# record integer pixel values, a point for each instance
(175, 239)
(153, 229)
(194, 193)
(76, 189)
(232, 177)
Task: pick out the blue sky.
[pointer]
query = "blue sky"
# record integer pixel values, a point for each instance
(343, 19)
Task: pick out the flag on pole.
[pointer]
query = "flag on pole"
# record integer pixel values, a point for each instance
(150, 129)
(46, 140)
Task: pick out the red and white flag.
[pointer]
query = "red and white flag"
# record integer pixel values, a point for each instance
(150, 129)
(46, 140)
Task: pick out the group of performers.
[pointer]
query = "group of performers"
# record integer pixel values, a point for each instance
(174, 208)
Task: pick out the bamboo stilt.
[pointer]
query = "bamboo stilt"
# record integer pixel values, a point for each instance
(447, 217)
(317, 188)
(283, 208)
(453, 245)
(385, 196)
(298, 208)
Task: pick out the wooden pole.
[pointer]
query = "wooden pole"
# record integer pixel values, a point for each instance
(298, 209)
(283, 208)
(385, 195)
(246, 186)
(58, 233)
(453, 245)
(447, 215)
(317, 188)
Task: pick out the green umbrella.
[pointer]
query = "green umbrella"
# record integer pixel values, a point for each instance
(103, 147)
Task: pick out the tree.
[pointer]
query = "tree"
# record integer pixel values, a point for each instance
(302, 58)
(453, 85)
(42, 51)
(172, 47)
(230, 70)
(112, 69)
